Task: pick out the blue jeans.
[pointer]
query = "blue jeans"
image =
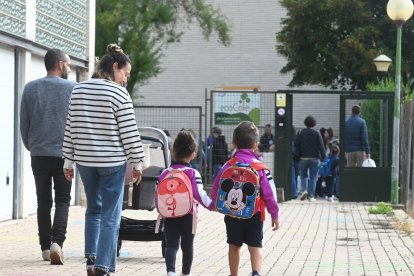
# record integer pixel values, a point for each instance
(104, 189)
(313, 166)
(295, 173)
(336, 186)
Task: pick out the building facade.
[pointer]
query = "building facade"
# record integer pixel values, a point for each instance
(27, 30)
(195, 65)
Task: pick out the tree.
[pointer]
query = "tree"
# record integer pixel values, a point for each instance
(144, 28)
(333, 42)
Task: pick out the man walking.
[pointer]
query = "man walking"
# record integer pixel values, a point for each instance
(356, 139)
(43, 112)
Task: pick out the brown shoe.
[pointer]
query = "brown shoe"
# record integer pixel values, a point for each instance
(56, 254)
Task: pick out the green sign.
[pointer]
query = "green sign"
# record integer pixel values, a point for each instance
(232, 108)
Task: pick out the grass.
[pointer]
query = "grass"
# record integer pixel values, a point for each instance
(381, 208)
(400, 224)
(403, 225)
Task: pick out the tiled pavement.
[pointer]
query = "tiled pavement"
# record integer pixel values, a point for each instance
(318, 238)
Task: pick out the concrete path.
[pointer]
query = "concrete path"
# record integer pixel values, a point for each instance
(318, 238)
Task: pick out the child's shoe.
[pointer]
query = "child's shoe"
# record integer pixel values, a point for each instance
(171, 273)
(255, 273)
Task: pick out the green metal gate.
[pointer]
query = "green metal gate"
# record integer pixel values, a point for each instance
(361, 183)
(356, 184)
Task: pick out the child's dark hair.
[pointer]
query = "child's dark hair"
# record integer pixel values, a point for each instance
(245, 135)
(335, 150)
(184, 145)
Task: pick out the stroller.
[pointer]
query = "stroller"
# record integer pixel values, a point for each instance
(142, 197)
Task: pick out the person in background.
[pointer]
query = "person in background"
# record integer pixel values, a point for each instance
(195, 163)
(219, 154)
(356, 139)
(310, 149)
(334, 168)
(320, 189)
(295, 166)
(43, 111)
(267, 140)
(101, 136)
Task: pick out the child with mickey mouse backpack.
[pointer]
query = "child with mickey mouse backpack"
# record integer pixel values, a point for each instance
(241, 227)
(179, 191)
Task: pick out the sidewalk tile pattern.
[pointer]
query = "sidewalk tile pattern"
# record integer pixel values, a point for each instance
(318, 238)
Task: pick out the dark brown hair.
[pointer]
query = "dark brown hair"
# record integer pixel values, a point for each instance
(184, 145)
(356, 110)
(309, 121)
(245, 135)
(105, 65)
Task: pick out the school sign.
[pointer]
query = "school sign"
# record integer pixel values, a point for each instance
(232, 108)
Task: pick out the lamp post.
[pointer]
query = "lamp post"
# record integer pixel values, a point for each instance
(382, 63)
(399, 11)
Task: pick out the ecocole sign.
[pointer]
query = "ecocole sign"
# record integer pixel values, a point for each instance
(232, 108)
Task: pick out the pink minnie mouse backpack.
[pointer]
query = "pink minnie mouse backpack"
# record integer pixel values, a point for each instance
(174, 196)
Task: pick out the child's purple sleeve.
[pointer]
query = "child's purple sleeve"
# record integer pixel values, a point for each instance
(268, 191)
(214, 192)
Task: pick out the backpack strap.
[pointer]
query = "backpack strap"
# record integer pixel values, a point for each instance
(233, 161)
(255, 165)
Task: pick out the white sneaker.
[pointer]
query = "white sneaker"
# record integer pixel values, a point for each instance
(56, 254)
(170, 273)
(312, 199)
(46, 255)
(330, 199)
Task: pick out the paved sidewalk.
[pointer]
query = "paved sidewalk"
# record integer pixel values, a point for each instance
(318, 238)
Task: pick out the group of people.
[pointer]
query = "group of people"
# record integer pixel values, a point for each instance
(92, 125)
(311, 147)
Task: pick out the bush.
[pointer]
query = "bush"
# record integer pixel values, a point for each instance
(381, 208)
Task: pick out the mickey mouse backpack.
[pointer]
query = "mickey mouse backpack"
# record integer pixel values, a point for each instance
(239, 190)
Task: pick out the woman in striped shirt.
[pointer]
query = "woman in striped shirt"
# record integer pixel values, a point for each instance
(101, 135)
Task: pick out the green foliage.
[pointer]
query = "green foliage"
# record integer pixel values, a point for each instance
(144, 28)
(381, 208)
(333, 42)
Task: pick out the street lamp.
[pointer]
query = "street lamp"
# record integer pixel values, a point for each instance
(399, 11)
(382, 62)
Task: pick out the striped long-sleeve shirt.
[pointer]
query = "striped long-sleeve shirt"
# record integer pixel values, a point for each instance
(101, 130)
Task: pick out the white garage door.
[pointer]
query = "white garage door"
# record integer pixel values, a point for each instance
(7, 131)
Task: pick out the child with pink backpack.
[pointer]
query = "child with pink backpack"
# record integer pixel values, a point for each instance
(179, 191)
